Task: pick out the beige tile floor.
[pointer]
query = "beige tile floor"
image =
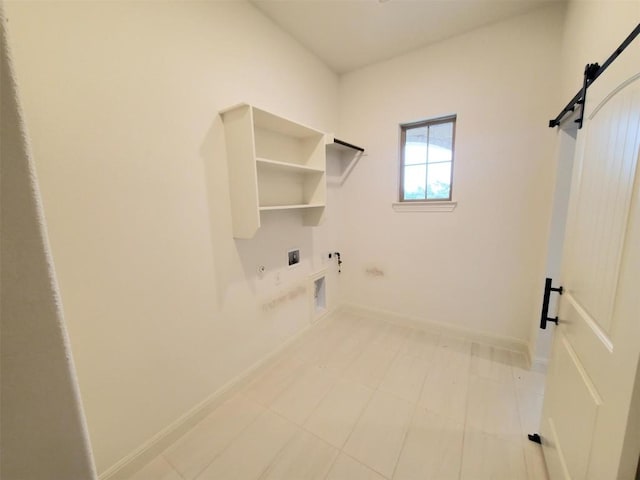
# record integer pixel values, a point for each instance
(359, 398)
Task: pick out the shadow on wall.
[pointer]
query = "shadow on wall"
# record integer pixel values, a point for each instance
(42, 416)
(227, 266)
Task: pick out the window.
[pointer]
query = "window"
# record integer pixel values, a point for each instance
(426, 164)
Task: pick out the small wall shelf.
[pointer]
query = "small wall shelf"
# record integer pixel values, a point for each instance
(274, 164)
(344, 156)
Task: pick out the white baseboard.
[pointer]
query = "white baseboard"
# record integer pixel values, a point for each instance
(153, 447)
(508, 343)
(540, 364)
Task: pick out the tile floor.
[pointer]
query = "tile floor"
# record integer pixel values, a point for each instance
(359, 398)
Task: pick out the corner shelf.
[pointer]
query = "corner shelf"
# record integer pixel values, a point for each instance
(274, 164)
(347, 155)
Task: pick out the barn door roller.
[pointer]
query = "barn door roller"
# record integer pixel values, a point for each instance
(591, 72)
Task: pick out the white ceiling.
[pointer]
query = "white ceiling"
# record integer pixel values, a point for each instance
(348, 34)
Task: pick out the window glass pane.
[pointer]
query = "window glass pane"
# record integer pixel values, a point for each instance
(427, 160)
(415, 182)
(415, 148)
(439, 180)
(440, 142)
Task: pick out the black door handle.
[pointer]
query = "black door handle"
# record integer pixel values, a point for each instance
(544, 316)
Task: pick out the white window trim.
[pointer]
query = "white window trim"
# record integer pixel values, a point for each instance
(431, 206)
(426, 205)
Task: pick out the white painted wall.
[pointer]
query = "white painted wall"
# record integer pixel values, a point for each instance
(591, 32)
(43, 429)
(163, 306)
(477, 267)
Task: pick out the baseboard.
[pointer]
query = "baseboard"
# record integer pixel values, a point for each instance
(133, 462)
(540, 364)
(531, 353)
(508, 343)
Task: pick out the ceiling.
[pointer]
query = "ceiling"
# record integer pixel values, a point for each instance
(348, 34)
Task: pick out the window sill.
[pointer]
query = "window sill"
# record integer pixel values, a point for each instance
(424, 206)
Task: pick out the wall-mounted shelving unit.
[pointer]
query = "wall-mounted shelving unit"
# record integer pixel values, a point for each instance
(342, 157)
(274, 164)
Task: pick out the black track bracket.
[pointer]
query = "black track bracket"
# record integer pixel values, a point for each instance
(535, 438)
(591, 72)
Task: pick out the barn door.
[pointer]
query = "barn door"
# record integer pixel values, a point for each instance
(596, 347)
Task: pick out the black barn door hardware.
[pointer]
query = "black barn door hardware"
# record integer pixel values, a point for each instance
(535, 438)
(348, 145)
(544, 316)
(591, 72)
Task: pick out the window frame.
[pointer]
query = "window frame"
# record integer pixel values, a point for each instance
(403, 137)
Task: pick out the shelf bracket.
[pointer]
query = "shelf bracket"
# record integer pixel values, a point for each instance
(348, 145)
(348, 152)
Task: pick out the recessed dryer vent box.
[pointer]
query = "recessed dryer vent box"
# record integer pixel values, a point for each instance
(318, 290)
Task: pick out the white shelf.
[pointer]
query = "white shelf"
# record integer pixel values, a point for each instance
(274, 123)
(274, 164)
(290, 207)
(287, 167)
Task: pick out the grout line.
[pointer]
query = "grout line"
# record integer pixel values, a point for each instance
(322, 397)
(355, 424)
(268, 467)
(466, 413)
(378, 389)
(174, 469)
(362, 342)
(235, 437)
(313, 364)
(302, 429)
(365, 465)
(335, 459)
(416, 407)
(403, 443)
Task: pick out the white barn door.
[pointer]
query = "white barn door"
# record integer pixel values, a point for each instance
(597, 343)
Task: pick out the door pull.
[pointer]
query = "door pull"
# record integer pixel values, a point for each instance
(544, 316)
